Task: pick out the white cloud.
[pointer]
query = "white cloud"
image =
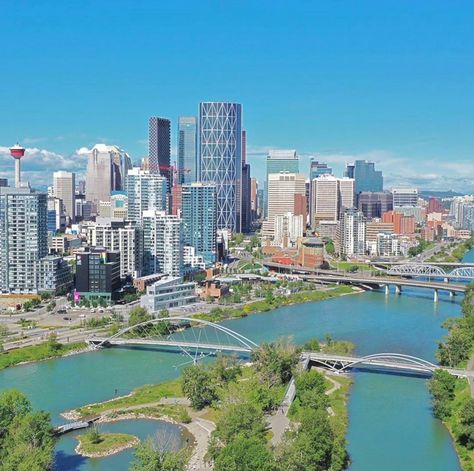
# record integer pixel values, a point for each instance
(435, 173)
(39, 164)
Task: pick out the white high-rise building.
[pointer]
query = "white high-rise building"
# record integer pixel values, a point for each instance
(107, 167)
(24, 263)
(352, 231)
(288, 228)
(405, 196)
(325, 194)
(145, 191)
(162, 243)
(286, 194)
(330, 196)
(64, 188)
(122, 236)
(346, 193)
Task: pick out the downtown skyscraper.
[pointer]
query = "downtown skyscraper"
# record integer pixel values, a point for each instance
(188, 162)
(220, 148)
(199, 215)
(159, 147)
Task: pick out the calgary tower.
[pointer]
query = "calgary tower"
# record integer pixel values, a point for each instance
(17, 152)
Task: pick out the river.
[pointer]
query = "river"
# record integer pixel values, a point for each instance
(390, 421)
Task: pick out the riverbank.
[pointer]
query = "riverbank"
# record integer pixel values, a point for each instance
(456, 254)
(222, 313)
(41, 352)
(453, 407)
(107, 444)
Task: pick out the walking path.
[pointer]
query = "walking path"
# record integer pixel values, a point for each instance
(201, 429)
(470, 366)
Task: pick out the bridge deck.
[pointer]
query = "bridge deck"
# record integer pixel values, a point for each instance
(169, 343)
(380, 363)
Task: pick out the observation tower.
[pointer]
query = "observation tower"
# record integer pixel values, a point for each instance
(17, 152)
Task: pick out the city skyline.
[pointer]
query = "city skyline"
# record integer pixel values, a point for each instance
(361, 92)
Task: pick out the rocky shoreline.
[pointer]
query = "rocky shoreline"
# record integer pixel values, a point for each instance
(102, 454)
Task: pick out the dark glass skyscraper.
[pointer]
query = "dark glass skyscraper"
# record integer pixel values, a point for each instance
(365, 175)
(188, 170)
(373, 205)
(316, 169)
(220, 148)
(159, 147)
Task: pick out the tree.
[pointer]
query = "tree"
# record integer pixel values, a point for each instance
(148, 457)
(26, 441)
(456, 347)
(312, 345)
(242, 419)
(199, 386)
(329, 247)
(138, 315)
(94, 436)
(52, 343)
(51, 306)
(225, 369)
(310, 447)
(245, 454)
(466, 420)
(3, 330)
(27, 306)
(442, 386)
(276, 361)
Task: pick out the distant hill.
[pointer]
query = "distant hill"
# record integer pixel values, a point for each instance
(439, 194)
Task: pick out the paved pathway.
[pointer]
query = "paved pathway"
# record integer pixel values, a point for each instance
(470, 380)
(201, 429)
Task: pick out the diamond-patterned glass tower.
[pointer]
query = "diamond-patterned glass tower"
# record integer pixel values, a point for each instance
(220, 147)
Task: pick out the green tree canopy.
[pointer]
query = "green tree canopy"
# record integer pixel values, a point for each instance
(199, 386)
(26, 441)
(276, 361)
(148, 457)
(245, 454)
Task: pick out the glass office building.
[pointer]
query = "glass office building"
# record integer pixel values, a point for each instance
(220, 147)
(188, 165)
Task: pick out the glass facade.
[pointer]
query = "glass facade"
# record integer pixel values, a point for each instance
(220, 147)
(365, 175)
(188, 169)
(200, 219)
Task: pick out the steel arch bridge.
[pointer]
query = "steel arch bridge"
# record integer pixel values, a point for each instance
(194, 338)
(423, 269)
(394, 361)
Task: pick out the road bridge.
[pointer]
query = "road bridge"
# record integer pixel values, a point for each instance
(362, 279)
(432, 271)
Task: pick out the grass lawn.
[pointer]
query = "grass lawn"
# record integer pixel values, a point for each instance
(36, 352)
(175, 412)
(142, 395)
(108, 444)
(347, 265)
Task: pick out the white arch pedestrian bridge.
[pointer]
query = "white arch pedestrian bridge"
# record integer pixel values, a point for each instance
(198, 338)
(432, 271)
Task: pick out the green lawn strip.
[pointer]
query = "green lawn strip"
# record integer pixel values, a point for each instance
(220, 314)
(107, 444)
(142, 395)
(177, 412)
(462, 394)
(36, 353)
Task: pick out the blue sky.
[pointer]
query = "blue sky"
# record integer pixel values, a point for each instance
(390, 81)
